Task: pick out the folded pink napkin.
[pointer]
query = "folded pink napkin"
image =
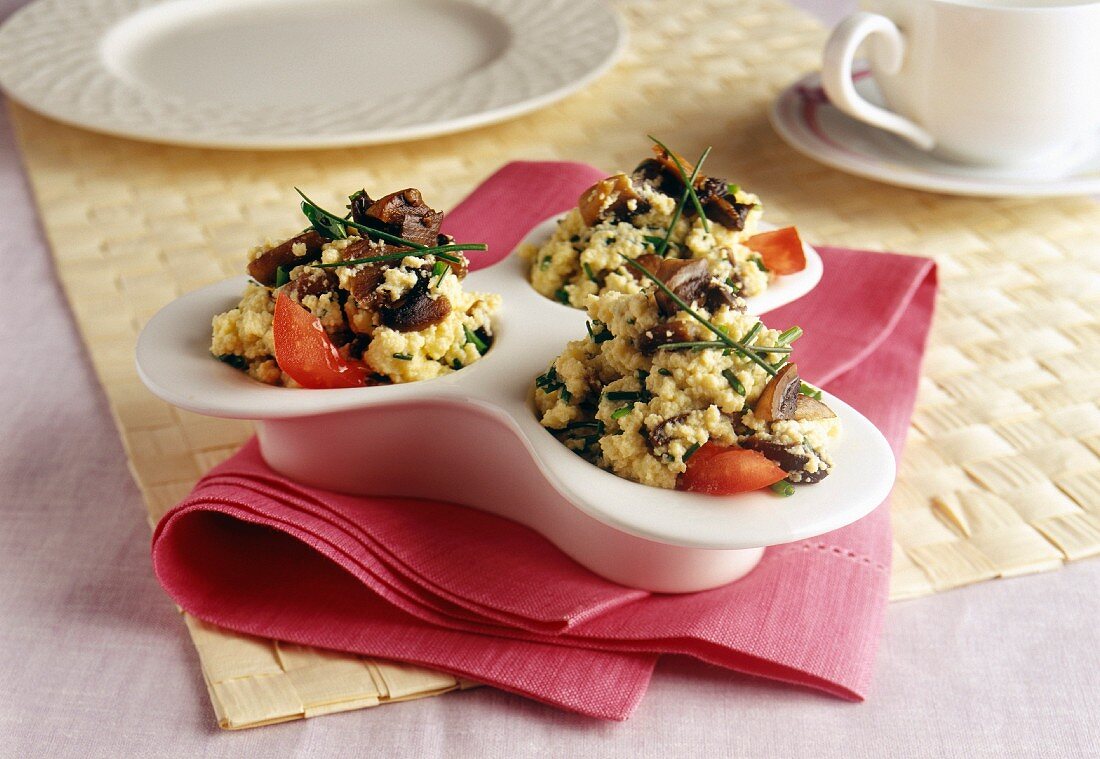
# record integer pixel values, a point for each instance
(480, 596)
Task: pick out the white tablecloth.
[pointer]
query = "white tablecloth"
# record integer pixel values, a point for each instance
(95, 662)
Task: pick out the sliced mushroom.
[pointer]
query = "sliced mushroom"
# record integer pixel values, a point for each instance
(312, 282)
(611, 197)
(809, 409)
(728, 213)
(689, 279)
(794, 464)
(264, 268)
(669, 332)
(416, 310)
(402, 213)
(780, 396)
(364, 285)
(651, 262)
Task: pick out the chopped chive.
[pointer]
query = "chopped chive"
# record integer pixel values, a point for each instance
(327, 225)
(566, 395)
(403, 356)
(623, 395)
(282, 276)
(440, 269)
(588, 273)
(752, 333)
(562, 295)
(598, 337)
(759, 263)
(442, 252)
(620, 413)
(471, 337)
(690, 451)
(664, 372)
(735, 286)
(696, 345)
(733, 189)
(811, 391)
(734, 382)
(766, 349)
(783, 488)
(544, 264)
(654, 240)
(456, 364)
(585, 425)
(237, 362)
(779, 364)
(575, 238)
(790, 335)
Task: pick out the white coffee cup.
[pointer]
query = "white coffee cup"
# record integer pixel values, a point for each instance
(1005, 83)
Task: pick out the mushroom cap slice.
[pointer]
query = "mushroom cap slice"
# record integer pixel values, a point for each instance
(780, 396)
(610, 196)
(809, 409)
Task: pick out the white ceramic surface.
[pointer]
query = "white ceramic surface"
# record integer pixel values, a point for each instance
(1008, 83)
(269, 74)
(808, 122)
(487, 449)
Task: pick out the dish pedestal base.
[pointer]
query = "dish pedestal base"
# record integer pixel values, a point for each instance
(443, 452)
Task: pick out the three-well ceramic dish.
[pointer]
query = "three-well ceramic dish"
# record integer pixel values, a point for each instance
(486, 449)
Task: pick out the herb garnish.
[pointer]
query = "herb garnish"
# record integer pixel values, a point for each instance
(734, 382)
(689, 189)
(810, 391)
(689, 182)
(598, 337)
(620, 413)
(282, 276)
(783, 488)
(335, 227)
(403, 356)
(471, 337)
(690, 451)
(718, 332)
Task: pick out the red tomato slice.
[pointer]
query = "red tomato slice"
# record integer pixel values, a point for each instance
(728, 471)
(304, 351)
(781, 250)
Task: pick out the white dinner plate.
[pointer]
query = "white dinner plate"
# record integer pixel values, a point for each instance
(271, 74)
(808, 122)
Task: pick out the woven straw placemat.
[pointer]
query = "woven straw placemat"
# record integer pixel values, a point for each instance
(1002, 471)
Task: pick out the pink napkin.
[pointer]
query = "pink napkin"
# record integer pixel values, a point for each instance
(477, 595)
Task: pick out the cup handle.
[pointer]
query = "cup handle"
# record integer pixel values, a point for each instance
(836, 73)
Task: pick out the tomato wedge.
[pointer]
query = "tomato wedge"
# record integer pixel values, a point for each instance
(304, 351)
(781, 250)
(724, 471)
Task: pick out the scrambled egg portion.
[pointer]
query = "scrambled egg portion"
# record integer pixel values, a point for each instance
(355, 320)
(641, 414)
(581, 260)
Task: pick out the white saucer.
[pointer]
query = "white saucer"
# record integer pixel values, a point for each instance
(804, 118)
(487, 449)
(272, 74)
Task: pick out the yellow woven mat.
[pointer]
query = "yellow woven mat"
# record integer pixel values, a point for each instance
(1001, 475)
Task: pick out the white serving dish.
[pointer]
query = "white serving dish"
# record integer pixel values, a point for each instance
(472, 438)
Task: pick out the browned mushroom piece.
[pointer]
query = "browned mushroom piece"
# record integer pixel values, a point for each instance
(662, 433)
(659, 177)
(264, 268)
(669, 332)
(364, 285)
(650, 261)
(614, 197)
(688, 278)
(790, 462)
(402, 213)
(360, 202)
(809, 409)
(312, 282)
(416, 310)
(729, 214)
(780, 396)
